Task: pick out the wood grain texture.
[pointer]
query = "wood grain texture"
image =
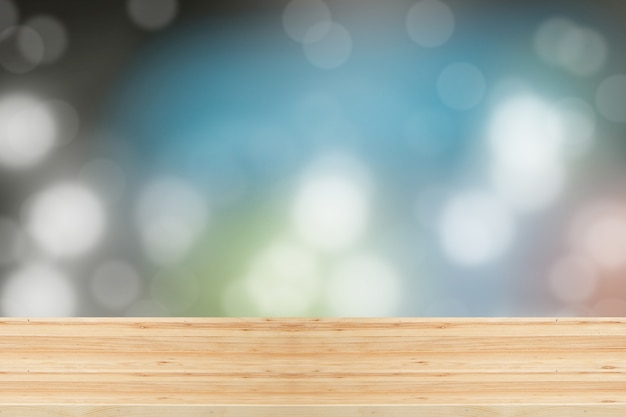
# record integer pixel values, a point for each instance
(474, 367)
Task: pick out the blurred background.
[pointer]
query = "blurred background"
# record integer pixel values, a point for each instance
(312, 158)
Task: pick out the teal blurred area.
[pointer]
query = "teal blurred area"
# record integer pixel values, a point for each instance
(312, 158)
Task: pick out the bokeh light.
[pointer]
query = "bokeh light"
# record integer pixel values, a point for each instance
(327, 45)
(38, 290)
(53, 36)
(527, 141)
(363, 286)
(331, 207)
(21, 49)
(430, 23)
(610, 98)
(28, 131)
(284, 280)
(300, 16)
(475, 228)
(312, 158)
(152, 14)
(563, 43)
(66, 220)
(605, 241)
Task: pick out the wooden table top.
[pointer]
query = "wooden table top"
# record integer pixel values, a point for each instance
(328, 367)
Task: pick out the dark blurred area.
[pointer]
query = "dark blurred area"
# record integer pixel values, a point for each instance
(312, 158)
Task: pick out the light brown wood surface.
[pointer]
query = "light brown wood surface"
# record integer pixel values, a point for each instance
(308, 367)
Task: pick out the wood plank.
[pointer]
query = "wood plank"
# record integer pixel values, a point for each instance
(333, 367)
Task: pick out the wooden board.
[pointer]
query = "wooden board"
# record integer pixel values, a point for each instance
(312, 367)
